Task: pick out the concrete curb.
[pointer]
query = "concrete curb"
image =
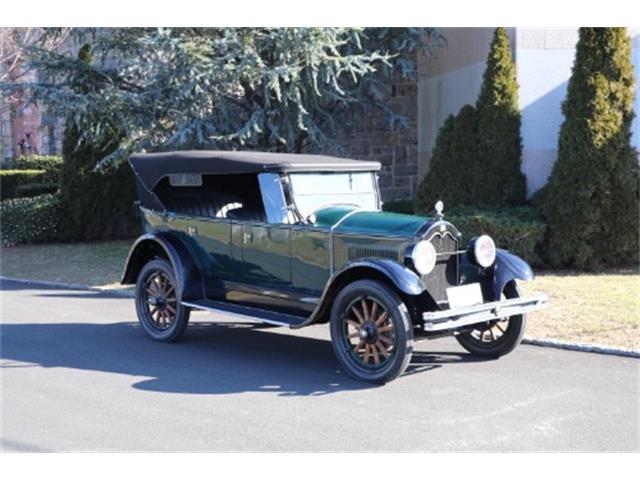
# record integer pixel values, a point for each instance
(116, 292)
(581, 347)
(539, 342)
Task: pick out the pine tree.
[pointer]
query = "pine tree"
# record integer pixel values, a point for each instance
(279, 89)
(499, 141)
(592, 200)
(94, 205)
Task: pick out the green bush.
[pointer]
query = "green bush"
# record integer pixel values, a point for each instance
(11, 179)
(453, 172)
(476, 158)
(29, 220)
(398, 206)
(521, 230)
(49, 163)
(591, 200)
(35, 189)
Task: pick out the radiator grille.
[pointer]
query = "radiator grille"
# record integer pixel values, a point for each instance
(364, 252)
(445, 273)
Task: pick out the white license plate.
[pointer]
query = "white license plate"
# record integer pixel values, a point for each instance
(464, 295)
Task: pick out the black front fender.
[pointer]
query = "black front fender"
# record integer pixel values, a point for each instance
(404, 279)
(509, 267)
(170, 246)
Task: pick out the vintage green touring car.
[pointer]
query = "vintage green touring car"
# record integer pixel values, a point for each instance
(296, 240)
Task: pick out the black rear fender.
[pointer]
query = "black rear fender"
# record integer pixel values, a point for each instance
(171, 247)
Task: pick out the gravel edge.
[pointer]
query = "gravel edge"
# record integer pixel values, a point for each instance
(539, 342)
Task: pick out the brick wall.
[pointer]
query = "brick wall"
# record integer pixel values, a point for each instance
(16, 118)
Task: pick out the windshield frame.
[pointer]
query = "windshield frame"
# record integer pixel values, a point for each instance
(292, 194)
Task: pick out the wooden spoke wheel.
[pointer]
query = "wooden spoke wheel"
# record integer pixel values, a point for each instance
(497, 338)
(160, 312)
(490, 333)
(371, 331)
(162, 301)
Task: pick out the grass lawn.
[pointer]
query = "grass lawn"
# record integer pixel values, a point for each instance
(98, 264)
(591, 308)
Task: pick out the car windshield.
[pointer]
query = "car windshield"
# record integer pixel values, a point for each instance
(312, 191)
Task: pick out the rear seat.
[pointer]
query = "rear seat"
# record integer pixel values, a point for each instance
(212, 206)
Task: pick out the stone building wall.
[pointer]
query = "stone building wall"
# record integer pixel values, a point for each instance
(371, 138)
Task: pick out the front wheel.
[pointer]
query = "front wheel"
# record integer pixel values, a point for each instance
(158, 306)
(496, 338)
(371, 332)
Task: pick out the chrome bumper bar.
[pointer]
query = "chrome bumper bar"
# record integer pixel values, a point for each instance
(461, 317)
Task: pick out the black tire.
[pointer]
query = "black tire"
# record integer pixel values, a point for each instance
(484, 340)
(158, 306)
(383, 345)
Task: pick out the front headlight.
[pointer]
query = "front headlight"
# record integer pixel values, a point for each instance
(423, 256)
(484, 250)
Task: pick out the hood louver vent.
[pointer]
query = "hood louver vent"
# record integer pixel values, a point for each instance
(363, 252)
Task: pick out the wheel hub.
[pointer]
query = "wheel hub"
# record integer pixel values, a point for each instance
(158, 301)
(369, 332)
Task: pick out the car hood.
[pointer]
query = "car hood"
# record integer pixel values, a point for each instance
(348, 220)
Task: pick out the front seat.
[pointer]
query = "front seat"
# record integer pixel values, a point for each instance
(246, 214)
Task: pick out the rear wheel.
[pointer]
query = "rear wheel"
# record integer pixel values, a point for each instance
(158, 306)
(499, 337)
(371, 332)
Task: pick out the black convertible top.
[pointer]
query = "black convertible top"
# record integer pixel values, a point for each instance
(150, 168)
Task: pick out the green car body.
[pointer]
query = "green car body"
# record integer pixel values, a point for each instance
(256, 237)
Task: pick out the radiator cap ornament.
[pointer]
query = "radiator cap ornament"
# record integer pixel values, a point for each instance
(439, 208)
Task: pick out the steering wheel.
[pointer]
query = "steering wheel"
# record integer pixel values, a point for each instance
(328, 204)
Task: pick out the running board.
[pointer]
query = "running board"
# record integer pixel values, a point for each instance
(250, 314)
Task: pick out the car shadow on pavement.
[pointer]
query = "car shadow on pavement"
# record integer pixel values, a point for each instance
(213, 359)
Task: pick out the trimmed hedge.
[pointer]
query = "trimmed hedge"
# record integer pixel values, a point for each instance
(50, 163)
(35, 189)
(29, 220)
(398, 206)
(11, 179)
(521, 230)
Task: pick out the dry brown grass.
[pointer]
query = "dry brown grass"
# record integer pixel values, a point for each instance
(97, 264)
(591, 308)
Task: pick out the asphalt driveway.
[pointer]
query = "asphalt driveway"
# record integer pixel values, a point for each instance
(78, 374)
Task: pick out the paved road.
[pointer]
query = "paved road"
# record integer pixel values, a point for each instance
(79, 375)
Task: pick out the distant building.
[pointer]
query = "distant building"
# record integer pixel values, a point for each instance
(544, 57)
(23, 127)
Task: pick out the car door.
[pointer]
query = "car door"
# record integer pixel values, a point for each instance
(266, 255)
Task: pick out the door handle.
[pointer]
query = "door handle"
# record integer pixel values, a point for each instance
(247, 237)
(193, 231)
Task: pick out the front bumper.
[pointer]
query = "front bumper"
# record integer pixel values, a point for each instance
(461, 317)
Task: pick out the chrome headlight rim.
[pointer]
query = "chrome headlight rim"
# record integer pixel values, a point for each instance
(423, 255)
(483, 251)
